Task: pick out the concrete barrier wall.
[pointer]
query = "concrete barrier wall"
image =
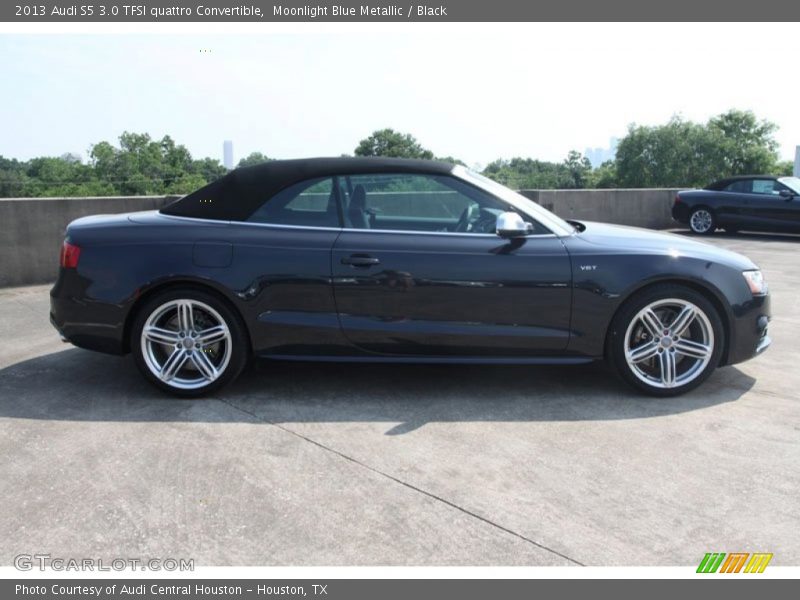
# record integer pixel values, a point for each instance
(651, 208)
(32, 229)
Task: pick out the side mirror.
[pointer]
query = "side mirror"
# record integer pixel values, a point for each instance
(786, 194)
(510, 224)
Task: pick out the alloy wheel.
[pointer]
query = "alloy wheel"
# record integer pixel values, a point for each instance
(669, 343)
(186, 344)
(701, 221)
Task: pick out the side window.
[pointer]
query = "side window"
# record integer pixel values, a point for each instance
(766, 186)
(742, 186)
(411, 202)
(310, 203)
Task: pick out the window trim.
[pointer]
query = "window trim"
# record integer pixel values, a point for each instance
(351, 229)
(548, 231)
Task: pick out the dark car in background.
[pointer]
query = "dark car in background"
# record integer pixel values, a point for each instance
(389, 260)
(749, 202)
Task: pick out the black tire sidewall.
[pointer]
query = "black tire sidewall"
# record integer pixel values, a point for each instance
(239, 340)
(616, 338)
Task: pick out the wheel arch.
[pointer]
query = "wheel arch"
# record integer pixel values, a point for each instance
(707, 290)
(184, 283)
(702, 204)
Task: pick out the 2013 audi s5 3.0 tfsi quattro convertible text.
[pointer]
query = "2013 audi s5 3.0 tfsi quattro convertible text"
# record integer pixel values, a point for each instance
(391, 260)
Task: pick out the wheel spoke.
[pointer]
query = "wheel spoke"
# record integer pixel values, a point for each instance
(692, 348)
(667, 364)
(212, 335)
(683, 320)
(173, 364)
(644, 352)
(653, 324)
(159, 335)
(185, 316)
(203, 363)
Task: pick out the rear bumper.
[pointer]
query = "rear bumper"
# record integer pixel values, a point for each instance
(82, 321)
(680, 212)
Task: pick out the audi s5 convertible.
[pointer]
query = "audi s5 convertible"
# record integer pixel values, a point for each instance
(749, 202)
(390, 260)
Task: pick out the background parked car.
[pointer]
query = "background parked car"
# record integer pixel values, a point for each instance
(752, 202)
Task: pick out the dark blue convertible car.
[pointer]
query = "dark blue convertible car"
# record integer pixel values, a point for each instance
(388, 260)
(750, 202)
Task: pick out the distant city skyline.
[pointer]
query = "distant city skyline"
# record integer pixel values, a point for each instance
(529, 90)
(597, 156)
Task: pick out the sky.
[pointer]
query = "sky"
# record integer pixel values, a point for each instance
(476, 92)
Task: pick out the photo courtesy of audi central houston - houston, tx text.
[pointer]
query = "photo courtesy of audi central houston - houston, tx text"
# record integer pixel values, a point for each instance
(294, 304)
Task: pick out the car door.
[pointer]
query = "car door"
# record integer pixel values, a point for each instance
(766, 208)
(730, 204)
(419, 271)
(790, 187)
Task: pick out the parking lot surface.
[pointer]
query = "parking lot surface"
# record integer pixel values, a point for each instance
(346, 464)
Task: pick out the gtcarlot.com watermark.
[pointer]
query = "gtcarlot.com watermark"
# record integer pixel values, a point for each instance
(43, 562)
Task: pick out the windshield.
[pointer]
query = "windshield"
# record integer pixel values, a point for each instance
(554, 223)
(793, 183)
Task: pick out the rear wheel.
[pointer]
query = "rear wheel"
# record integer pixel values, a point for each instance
(666, 340)
(701, 221)
(188, 342)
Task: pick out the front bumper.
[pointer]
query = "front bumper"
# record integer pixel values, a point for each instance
(749, 330)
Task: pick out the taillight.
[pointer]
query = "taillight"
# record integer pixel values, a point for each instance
(677, 199)
(70, 253)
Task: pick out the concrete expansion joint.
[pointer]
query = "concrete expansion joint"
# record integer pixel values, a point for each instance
(401, 482)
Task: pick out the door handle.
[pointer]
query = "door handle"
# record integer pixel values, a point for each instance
(360, 260)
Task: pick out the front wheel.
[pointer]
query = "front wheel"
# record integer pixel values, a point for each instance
(701, 221)
(188, 342)
(666, 340)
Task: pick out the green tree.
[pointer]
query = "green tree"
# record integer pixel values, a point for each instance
(682, 153)
(188, 182)
(527, 173)
(209, 169)
(785, 167)
(578, 169)
(13, 179)
(142, 165)
(391, 143)
(64, 176)
(254, 158)
(450, 159)
(604, 176)
(747, 144)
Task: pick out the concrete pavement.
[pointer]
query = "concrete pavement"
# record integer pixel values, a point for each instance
(315, 464)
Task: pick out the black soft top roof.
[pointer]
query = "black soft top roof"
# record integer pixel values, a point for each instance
(235, 196)
(723, 183)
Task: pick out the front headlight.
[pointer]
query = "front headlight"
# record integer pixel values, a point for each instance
(755, 279)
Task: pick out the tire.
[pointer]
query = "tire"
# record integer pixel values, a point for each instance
(701, 221)
(671, 363)
(195, 343)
